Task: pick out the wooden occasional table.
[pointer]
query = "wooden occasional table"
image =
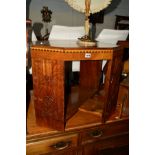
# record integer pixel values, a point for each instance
(56, 101)
(84, 112)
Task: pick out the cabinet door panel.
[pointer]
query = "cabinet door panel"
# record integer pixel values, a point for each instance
(111, 144)
(117, 145)
(123, 150)
(89, 150)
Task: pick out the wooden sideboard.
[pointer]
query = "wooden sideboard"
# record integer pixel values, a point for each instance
(83, 141)
(75, 120)
(85, 134)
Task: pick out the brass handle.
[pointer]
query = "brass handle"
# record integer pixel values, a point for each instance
(96, 133)
(61, 145)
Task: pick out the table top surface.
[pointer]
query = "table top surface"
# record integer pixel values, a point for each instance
(71, 44)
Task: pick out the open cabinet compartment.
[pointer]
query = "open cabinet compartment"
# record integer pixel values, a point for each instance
(56, 101)
(79, 88)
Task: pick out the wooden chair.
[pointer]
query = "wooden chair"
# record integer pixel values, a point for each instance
(125, 45)
(111, 36)
(122, 22)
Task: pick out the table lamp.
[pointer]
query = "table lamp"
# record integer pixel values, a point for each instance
(87, 7)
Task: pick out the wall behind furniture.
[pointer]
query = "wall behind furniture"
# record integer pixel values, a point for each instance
(63, 14)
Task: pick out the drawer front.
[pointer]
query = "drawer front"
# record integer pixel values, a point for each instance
(50, 145)
(102, 132)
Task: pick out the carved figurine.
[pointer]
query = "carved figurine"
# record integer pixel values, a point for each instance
(46, 14)
(46, 17)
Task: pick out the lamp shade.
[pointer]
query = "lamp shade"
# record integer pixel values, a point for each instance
(95, 5)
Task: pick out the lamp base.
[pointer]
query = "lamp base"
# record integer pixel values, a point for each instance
(86, 41)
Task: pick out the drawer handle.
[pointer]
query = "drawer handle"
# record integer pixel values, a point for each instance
(96, 133)
(61, 145)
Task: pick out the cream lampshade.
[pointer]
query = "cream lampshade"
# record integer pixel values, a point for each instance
(95, 5)
(87, 7)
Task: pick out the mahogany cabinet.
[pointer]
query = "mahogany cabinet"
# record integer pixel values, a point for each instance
(100, 139)
(56, 100)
